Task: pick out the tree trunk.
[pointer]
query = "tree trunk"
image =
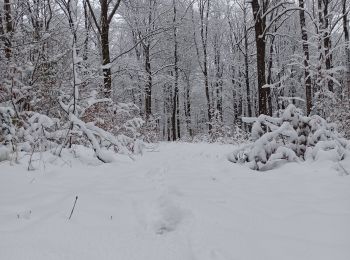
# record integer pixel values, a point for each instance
(87, 31)
(2, 32)
(320, 45)
(347, 51)
(148, 87)
(269, 74)
(307, 77)
(204, 6)
(107, 75)
(218, 78)
(169, 100)
(9, 29)
(175, 116)
(246, 66)
(270, 65)
(240, 100)
(103, 30)
(327, 44)
(139, 86)
(207, 94)
(260, 26)
(188, 106)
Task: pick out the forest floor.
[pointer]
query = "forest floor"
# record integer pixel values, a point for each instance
(178, 201)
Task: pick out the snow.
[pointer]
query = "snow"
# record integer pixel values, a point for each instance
(178, 201)
(4, 153)
(301, 138)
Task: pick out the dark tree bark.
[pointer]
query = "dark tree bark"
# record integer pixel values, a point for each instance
(176, 110)
(269, 74)
(327, 43)
(204, 36)
(218, 76)
(148, 27)
(320, 44)
(187, 105)
(246, 67)
(204, 10)
(347, 50)
(103, 30)
(260, 26)
(139, 87)
(234, 94)
(9, 29)
(107, 74)
(148, 86)
(270, 64)
(307, 77)
(87, 26)
(169, 99)
(240, 101)
(324, 43)
(2, 31)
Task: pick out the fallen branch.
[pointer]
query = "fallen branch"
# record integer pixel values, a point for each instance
(75, 202)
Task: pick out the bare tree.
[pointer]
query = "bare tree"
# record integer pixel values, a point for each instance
(259, 8)
(9, 28)
(176, 109)
(307, 76)
(204, 11)
(347, 48)
(103, 27)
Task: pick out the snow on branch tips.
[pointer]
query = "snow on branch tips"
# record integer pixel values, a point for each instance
(8, 132)
(289, 137)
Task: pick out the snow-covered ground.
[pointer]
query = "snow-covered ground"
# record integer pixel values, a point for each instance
(178, 201)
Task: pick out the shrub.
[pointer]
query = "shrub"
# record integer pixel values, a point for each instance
(289, 137)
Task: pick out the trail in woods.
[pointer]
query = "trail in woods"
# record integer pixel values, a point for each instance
(178, 201)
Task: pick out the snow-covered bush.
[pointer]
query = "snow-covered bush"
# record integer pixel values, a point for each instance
(150, 130)
(222, 133)
(116, 128)
(341, 116)
(107, 125)
(219, 131)
(26, 131)
(227, 135)
(4, 153)
(38, 132)
(289, 137)
(7, 132)
(118, 119)
(6, 125)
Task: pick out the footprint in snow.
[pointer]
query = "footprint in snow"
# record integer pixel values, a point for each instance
(157, 176)
(24, 214)
(165, 216)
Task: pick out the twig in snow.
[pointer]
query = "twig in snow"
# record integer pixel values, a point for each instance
(30, 165)
(75, 202)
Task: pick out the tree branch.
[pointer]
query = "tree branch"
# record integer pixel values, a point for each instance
(109, 19)
(94, 16)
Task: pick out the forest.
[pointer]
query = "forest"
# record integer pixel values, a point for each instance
(174, 129)
(167, 70)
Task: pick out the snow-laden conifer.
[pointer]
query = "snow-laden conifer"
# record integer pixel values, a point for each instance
(291, 136)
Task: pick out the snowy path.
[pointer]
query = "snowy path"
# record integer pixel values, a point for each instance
(183, 201)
